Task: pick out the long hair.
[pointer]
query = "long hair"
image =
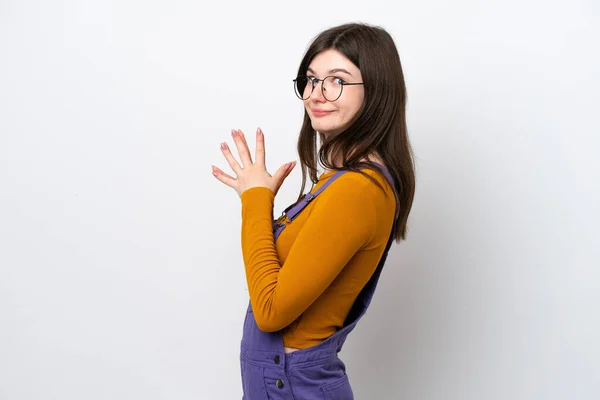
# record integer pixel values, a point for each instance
(379, 125)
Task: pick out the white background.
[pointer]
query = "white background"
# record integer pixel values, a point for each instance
(121, 274)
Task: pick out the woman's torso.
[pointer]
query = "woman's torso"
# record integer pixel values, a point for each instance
(327, 314)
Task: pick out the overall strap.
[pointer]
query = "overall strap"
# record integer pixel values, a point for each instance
(292, 211)
(308, 197)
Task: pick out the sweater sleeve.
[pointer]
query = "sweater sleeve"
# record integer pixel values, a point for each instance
(342, 221)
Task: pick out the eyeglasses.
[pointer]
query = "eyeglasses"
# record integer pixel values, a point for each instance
(331, 88)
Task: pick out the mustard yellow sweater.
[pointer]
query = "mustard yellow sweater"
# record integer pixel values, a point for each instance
(306, 282)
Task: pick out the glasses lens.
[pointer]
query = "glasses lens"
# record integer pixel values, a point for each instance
(332, 88)
(302, 87)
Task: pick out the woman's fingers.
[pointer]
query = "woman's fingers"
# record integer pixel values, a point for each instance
(230, 158)
(242, 146)
(225, 178)
(254, 176)
(283, 172)
(260, 147)
(289, 170)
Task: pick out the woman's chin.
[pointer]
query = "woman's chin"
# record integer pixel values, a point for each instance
(323, 128)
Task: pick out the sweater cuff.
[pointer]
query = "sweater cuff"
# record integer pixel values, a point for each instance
(259, 199)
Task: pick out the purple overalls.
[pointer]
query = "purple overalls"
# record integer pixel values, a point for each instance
(312, 373)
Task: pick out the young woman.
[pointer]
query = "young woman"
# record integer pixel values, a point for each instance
(312, 272)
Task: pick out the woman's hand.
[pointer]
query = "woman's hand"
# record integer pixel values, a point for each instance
(250, 174)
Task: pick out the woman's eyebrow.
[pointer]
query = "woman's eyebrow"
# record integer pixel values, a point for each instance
(332, 71)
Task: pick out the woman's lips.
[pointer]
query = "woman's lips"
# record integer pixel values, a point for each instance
(319, 113)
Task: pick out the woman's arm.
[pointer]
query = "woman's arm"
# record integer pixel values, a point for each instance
(342, 221)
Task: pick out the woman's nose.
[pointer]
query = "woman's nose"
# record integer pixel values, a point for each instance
(317, 93)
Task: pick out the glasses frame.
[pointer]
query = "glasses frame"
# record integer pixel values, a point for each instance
(315, 81)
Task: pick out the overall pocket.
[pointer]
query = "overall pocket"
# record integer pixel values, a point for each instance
(338, 389)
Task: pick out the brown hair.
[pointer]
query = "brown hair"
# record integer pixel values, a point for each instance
(380, 124)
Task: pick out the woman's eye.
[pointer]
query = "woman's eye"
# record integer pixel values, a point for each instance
(311, 79)
(339, 81)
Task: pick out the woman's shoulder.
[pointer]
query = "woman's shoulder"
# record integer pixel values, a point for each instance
(359, 199)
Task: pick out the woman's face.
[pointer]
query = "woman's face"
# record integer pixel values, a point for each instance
(341, 111)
